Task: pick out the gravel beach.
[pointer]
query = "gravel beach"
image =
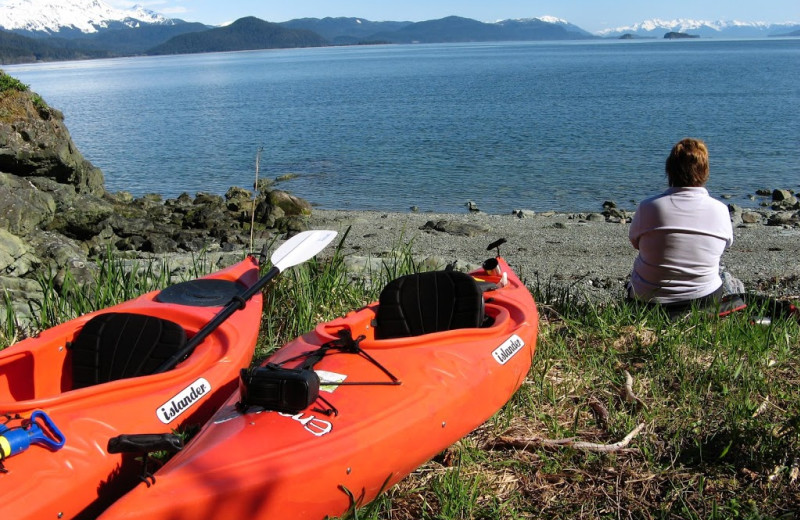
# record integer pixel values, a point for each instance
(592, 256)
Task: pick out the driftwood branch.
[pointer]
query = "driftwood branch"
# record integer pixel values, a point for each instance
(255, 199)
(761, 408)
(600, 412)
(627, 392)
(535, 442)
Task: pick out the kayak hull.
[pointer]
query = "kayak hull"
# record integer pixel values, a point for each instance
(82, 478)
(309, 465)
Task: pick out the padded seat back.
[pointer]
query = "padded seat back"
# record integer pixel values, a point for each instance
(115, 346)
(428, 302)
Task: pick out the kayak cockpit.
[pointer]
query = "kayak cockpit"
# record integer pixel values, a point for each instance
(433, 306)
(109, 347)
(363, 323)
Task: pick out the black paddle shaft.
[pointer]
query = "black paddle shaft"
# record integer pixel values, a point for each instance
(236, 303)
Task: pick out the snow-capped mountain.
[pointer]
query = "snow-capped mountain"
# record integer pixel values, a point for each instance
(545, 19)
(550, 24)
(55, 17)
(707, 29)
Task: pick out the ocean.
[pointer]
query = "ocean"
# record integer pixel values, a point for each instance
(536, 125)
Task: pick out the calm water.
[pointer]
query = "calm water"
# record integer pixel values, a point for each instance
(541, 126)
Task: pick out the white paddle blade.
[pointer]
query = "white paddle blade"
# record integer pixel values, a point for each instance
(301, 247)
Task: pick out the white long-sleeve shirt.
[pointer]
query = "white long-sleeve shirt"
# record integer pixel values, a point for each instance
(681, 235)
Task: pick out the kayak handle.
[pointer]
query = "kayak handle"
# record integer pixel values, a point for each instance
(18, 439)
(49, 436)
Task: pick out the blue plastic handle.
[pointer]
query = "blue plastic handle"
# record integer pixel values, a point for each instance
(38, 435)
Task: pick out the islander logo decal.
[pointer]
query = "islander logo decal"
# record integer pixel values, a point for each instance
(508, 349)
(170, 410)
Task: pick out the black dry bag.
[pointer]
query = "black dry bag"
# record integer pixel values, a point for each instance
(276, 388)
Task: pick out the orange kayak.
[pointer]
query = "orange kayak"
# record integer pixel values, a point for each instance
(397, 387)
(97, 377)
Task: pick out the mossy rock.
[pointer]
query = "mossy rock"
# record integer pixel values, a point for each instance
(290, 204)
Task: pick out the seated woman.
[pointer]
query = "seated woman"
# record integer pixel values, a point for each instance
(681, 235)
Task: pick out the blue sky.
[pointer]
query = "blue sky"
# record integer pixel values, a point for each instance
(591, 15)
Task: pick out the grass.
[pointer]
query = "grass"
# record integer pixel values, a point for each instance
(719, 401)
(11, 83)
(11, 91)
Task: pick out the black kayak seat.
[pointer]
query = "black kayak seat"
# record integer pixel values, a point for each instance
(116, 345)
(428, 302)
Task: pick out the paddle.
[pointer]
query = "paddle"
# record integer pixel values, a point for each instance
(294, 251)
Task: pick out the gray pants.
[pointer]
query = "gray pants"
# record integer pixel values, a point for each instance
(730, 284)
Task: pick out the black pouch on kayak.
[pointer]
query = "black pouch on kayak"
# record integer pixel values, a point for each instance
(276, 388)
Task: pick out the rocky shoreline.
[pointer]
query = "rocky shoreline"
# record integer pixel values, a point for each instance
(55, 215)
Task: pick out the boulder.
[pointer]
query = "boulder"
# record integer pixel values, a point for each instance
(24, 206)
(523, 213)
(86, 217)
(16, 257)
(615, 213)
(286, 177)
(57, 249)
(22, 293)
(291, 224)
(734, 209)
(208, 215)
(156, 243)
(786, 204)
(456, 228)
(266, 214)
(290, 204)
(781, 218)
(752, 217)
(35, 143)
(781, 195)
(239, 199)
(192, 240)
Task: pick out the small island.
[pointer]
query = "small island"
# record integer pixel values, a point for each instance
(678, 35)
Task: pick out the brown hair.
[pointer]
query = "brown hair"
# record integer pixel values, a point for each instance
(687, 164)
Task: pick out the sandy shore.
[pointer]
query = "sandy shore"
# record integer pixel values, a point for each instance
(594, 257)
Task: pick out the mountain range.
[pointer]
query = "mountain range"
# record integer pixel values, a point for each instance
(34, 30)
(718, 29)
